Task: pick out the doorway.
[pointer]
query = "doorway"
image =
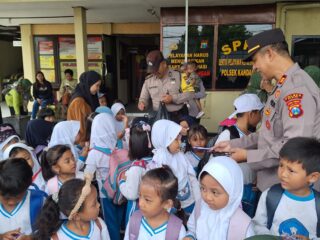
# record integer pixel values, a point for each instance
(132, 66)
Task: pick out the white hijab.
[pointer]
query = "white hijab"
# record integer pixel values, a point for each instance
(5, 142)
(36, 165)
(103, 135)
(65, 132)
(163, 133)
(214, 224)
(115, 108)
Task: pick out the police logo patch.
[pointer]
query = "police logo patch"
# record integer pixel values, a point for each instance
(293, 102)
(268, 125)
(267, 111)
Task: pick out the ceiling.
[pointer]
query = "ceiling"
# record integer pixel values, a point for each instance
(16, 12)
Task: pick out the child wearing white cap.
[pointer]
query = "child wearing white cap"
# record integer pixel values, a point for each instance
(248, 112)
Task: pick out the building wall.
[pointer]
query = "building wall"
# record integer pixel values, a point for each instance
(11, 60)
(218, 106)
(298, 19)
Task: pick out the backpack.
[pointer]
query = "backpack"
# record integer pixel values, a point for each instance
(172, 232)
(273, 199)
(97, 222)
(6, 130)
(36, 203)
(238, 226)
(119, 163)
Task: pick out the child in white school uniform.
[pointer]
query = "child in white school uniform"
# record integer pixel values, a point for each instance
(121, 122)
(291, 209)
(140, 154)
(248, 112)
(67, 133)
(158, 192)
(218, 216)
(166, 141)
(20, 150)
(77, 200)
(102, 142)
(19, 206)
(6, 143)
(197, 137)
(58, 166)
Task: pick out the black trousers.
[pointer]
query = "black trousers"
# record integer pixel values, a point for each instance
(177, 115)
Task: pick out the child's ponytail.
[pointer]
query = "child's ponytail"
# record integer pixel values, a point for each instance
(47, 172)
(50, 158)
(179, 212)
(48, 221)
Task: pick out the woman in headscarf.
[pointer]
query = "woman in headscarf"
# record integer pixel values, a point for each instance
(84, 100)
(39, 130)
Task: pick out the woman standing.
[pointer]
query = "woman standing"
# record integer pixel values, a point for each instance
(42, 93)
(84, 100)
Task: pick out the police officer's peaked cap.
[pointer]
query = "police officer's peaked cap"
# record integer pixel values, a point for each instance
(260, 40)
(154, 59)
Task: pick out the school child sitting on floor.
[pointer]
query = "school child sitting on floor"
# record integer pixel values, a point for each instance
(291, 209)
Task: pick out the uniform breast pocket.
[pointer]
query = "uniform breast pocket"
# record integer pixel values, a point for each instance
(276, 124)
(153, 90)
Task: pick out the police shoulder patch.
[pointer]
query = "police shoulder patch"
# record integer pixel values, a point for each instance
(293, 102)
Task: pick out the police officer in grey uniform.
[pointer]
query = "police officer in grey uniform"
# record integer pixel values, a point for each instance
(292, 109)
(163, 85)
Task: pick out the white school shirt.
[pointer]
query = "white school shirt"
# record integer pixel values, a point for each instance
(103, 135)
(130, 187)
(193, 159)
(249, 175)
(39, 182)
(146, 232)
(79, 175)
(290, 207)
(194, 229)
(94, 233)
(18, 218)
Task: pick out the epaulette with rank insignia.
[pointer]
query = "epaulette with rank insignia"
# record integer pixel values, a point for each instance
(148, 76)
